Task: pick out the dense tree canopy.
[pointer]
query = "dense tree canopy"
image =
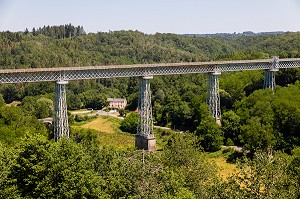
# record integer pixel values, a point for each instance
(39, 168)
(130, 123)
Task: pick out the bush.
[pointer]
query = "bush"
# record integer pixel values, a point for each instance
(130, 123)
(229, 142)
(80, 118)
(210, 135)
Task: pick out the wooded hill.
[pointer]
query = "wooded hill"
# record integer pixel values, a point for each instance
(32, 165)
(63, 46)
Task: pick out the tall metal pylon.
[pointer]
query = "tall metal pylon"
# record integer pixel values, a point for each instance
(269, 81)
(145, 138)
(213, 96)
(61, 125)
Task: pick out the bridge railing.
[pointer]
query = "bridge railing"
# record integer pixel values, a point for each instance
(138, 70)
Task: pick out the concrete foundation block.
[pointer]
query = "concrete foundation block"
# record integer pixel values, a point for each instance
(148, 144)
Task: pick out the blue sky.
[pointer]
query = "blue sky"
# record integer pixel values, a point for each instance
(151, 16)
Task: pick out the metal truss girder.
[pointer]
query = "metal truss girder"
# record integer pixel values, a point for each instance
(213, 96)
(61, 125)
(139, 70)
(145, 124)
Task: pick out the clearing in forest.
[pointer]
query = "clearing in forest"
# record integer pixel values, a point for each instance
(109, 133)
(101, 124)
(225, 169)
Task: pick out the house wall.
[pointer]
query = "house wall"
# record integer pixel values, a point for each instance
(117, 104)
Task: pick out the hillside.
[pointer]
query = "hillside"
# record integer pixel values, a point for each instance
(50, 48)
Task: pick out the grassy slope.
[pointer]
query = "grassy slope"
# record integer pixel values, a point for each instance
(100, 124)
(110, 134)
(226, 169)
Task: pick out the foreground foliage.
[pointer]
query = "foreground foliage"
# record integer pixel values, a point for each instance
(39, 168)
(266, 176)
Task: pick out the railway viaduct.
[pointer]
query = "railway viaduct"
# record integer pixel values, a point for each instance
(144, 138)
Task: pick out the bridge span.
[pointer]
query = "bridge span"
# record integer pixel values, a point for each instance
(141, 70)
(144, 138)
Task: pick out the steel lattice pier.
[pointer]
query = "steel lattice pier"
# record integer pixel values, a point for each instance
(61, 125)
(269, 81)
(145, 137)
(213, 97)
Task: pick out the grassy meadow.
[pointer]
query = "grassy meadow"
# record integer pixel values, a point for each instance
(109, 134)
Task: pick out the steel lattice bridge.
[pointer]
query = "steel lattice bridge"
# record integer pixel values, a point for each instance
(144, 138)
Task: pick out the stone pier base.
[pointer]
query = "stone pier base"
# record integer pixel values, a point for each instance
(148, 144)
(218, 121)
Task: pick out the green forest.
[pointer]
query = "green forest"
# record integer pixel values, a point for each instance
(265, 123)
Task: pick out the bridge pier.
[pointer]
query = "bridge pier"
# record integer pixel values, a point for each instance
(269, 81)
(61, 125)
(213, 96)
(145, 138)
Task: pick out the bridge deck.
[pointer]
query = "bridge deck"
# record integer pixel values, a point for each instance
(94, 72)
